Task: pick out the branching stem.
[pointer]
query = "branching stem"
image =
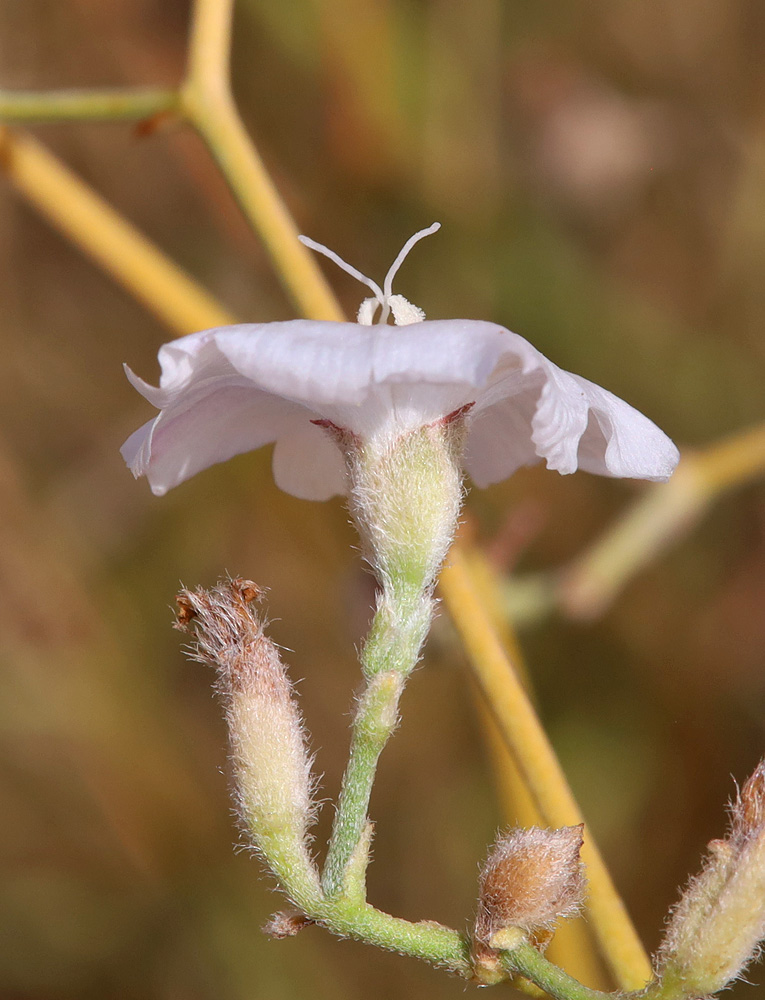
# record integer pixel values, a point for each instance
(207, 102)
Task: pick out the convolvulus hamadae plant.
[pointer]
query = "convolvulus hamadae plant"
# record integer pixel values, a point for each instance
(389, 416)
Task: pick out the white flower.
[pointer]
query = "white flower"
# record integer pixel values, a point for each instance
(237, 388)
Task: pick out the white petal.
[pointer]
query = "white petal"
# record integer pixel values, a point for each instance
(499, 441)
(341, 370)
(206, 425)
(395, 408)
(306, 361)
(530, 407)
(620, 441)
(135, 450)
(337, 363)
(308, 464)
(156, 396)
(233, 389)
(187, 357)
(424, 403)
(438, 352)
(560, 420)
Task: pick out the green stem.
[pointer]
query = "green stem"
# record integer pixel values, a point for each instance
(525, 960)
(85, 105)
(399, 628)
(389, 656)
(291, 864)
(374, 723)
(352, 808)
(425, 940)
(349, 915)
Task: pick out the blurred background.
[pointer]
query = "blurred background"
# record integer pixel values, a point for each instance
(599, 170)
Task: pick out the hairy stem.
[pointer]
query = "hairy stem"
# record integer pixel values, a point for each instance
(389, 656)
(527, 961)
(425, 940)
(349, 915)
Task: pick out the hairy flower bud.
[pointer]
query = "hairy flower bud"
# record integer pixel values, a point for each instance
(531, 879)
(719, 923)
(272, 767)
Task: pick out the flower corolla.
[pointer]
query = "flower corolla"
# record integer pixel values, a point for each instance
(236, 388)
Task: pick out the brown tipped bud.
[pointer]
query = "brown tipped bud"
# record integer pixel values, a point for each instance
(748, 811)
(272, 766)
(719, 924)
(531, 879)
(226, 629)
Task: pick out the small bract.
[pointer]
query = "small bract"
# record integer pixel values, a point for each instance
(237, 388)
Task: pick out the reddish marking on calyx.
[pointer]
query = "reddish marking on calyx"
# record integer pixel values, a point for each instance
(456, 414)
(342, 435)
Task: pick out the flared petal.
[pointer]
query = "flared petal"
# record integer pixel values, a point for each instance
(622, 442)
(438, 352)
(560, 421)
(233, 389)
(217, 420)
(332, 364)
(562, 418)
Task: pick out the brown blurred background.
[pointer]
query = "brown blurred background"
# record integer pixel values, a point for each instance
(599, 170)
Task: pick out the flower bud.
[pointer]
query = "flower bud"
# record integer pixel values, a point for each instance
(272, 767)
(719, 923)
(531, 879)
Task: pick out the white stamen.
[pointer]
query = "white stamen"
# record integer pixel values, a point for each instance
(306, 241)
(403, 312)
(366, 314)
(388, 285)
